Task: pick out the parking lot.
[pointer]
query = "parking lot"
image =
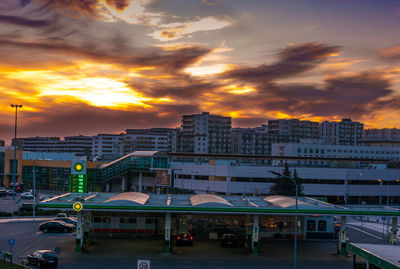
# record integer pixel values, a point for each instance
(108, 252)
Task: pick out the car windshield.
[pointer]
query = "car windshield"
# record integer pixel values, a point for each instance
(49, 255)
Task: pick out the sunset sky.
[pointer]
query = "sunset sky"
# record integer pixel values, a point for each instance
(88, 67)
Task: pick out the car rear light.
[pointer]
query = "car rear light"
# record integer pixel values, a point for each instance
(191, 238)
(42, 259)
(179, 238)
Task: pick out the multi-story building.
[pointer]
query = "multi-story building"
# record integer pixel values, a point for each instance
(382, 134)
(251, 140)
(107, 147)
(315, 150)
(38, 143)
(205, 133)
(154, 139)
(291, 131)
(79, 145)
(259, 140)
(345, 132)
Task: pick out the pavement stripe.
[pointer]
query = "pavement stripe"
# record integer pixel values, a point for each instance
(365, 232)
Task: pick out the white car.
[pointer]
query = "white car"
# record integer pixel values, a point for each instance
(26, 195)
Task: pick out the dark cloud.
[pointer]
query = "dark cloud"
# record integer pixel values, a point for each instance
(26, 22)
(356, 96)
(170, 60)
(118, 4)
(180, 87)
(79, 118)
(77, 8)
(9, 5)
(292, 60)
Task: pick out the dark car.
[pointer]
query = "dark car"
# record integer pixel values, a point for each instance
(42, 258)
(26, 207)
(3, 191)
(19, 187)
(9, 192)
(56, 226)
(229, 240)
(67, 220)
(184, 239)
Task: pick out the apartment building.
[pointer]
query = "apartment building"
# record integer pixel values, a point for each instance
(79, 145)
(108, 147)
(205, 133)
(154, 139)
(345, 132)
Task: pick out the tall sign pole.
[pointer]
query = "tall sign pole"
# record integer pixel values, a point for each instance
(15, 148)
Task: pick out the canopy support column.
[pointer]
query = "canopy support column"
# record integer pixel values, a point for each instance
(167, 239)
(342, 237)
(254, 242)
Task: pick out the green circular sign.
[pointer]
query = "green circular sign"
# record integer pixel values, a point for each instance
(77, 206)
(78, 167)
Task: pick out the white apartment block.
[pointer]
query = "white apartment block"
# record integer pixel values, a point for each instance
(107, 147)
(154, 139)
(205, 133)
(345, 132)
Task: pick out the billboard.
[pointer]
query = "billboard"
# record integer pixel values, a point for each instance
(163, 178)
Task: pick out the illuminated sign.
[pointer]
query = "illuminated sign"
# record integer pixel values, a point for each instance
(78, 167)
(77, 206)
(78, 183)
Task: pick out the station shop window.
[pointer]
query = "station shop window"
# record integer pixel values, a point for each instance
(149, 221)
(322, 226)
(97, 219)
(131, 220)
(311, 225)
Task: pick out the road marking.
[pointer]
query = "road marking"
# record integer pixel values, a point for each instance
(365, 232)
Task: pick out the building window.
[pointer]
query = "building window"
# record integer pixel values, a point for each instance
(322, 226)
(311, 225)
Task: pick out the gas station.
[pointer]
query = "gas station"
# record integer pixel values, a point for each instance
(206, 215)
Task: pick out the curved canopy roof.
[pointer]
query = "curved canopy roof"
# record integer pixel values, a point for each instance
(208, 199)
(128, 198)
(283, 201)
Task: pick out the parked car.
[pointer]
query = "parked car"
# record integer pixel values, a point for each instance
(229, 240)
(42, 258)
(72, 221)
(19, 187)
(56, 226)
(3, 191)
(61, 215)
(184, 239)
(26, 207)
(26, 195)
(9, 192)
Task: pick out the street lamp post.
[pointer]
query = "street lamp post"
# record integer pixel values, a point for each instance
(296, 216)
(15, 147)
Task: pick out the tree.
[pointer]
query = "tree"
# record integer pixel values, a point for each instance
(285, 186)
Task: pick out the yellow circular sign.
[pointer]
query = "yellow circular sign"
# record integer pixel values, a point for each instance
(77, 206)
(78, 167)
